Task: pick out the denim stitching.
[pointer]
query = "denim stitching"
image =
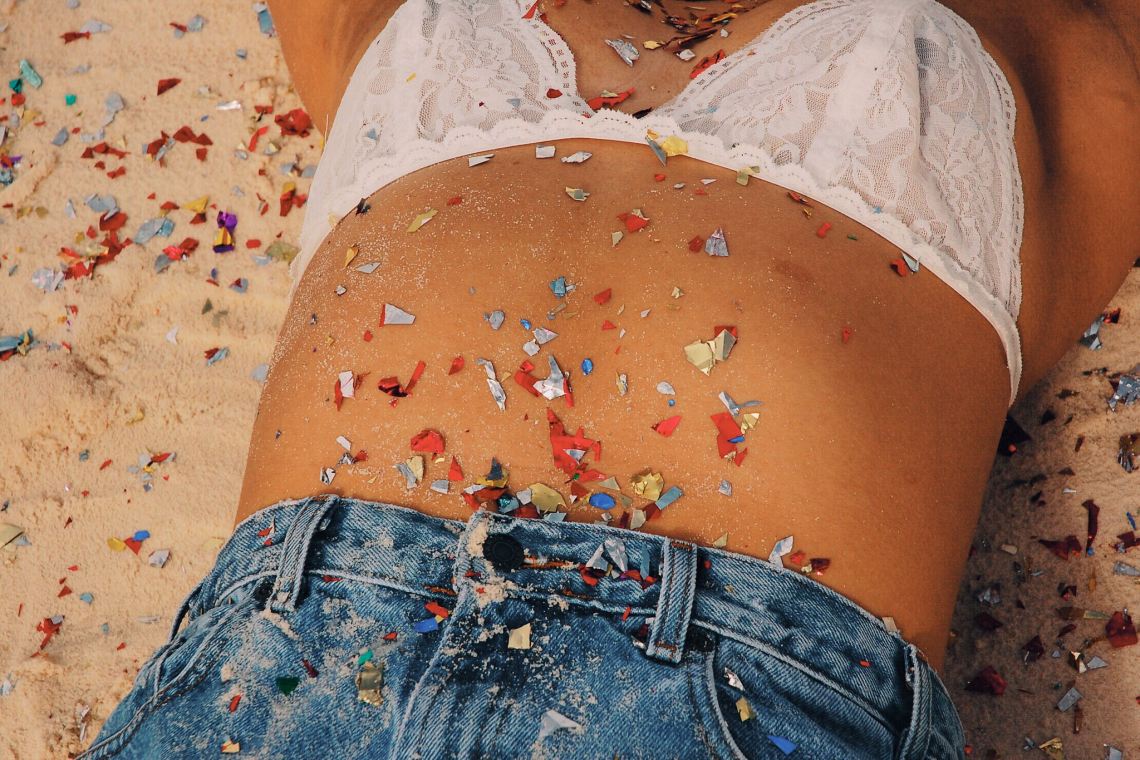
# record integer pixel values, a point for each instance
(803, 668)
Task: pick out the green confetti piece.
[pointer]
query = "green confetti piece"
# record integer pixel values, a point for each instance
(364, 657)
(286, 684)
(69, 98)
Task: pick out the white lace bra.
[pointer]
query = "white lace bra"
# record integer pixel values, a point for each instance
(889, 111)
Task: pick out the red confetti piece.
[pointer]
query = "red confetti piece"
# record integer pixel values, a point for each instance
(390, 636)
(900, 267)
(132, 544)
(1064, 548)
(987, 681)
(71, 37)
(367, 336)
(455, 201)
(667, 426)
(608, 325)
(553, 93)
(296, 122)
(659, 177)
(234, 702)
(166, 84)
(48, 629)
(435, 609)
(457, 364)
(455, 472)
(309, 668)
(798, 198)
(705, 62)
(64, 591)
(604, 297)
(530, 11)
(1121, 632)
(429, 441)
(257, 136)
(633, 222)
(106, 464)
(597, 102)
(847, 331)
(116, 173)
(696, 244)
(121, 647)
(1094, 511)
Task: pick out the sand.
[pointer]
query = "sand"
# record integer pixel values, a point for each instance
(111, 386)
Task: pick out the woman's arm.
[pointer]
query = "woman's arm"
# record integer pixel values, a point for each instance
(322, 40)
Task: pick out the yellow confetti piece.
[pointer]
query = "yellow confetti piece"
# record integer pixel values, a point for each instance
(546, 498)
(674, 146)
(421, 220)
(742, 175)
(651, 44)
(648, 484)
(677, 292)
(615, 237)
(350, 254)
(411, 77)
(230, 748)
(744, 709)
(116, 544)
(721, 541)
(577, 193)
(519, 637)
(198, 205)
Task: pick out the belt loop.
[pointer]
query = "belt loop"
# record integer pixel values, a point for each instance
(917, 735)
(675, 602)
(295, 550)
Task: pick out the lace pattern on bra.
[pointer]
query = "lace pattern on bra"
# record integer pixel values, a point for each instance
(888, 111)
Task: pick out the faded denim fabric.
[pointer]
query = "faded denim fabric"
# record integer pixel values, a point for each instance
(339, 628)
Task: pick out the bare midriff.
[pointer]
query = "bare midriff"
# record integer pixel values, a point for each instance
(882, 396)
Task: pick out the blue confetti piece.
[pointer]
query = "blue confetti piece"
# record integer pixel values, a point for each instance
(555, 517)
(669, 497)
(220, 354)
(141, 535)
(526, 323)
(264, 20)
(241, 53)
(196, 24)
(736, 439)
(516, 102)
(29, 74)
(1131, 520)
(260, 372)
(602, 501)
(162, 262)
(787, 747)
(105, 629)
(240, 285)
(84, 455)
(587, 366)
(60, 137)
(427, 626)
(672, 402)
(86, 597)
(559, 287)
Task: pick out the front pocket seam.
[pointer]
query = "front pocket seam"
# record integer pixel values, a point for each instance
(806, 670)
(706, 685)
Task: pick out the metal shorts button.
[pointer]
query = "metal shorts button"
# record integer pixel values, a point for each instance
(503, 552)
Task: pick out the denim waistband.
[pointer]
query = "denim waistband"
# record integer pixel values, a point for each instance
(680, 588)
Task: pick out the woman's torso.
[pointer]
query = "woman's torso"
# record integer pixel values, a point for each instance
(872, 452)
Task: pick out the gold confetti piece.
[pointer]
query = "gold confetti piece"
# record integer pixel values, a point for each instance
(652, 44)
(677, 292)
(577, 193)
(744, 709)
(8, 534)
(519, 637)
(674, 146)
(546, 498)
(411, 77)
(700, 355)
(622, 384)
(648, 484)
(368, 683)
(350, 254)
(421, 220)
(198, 205)
(116, 544)
(230, 747)
(638, 519)
(615, 237)
(742, 175)
(721, 541)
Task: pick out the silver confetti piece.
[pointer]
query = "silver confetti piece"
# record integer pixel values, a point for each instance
(625, 49)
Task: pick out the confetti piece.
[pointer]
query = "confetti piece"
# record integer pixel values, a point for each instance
(577, 193)
(421, 220)
(716, 245)
(667, 426)
(369, 681)
(394, 315)
(744, 709)
(230, 747)
(166, 84)
(625, 50)
(519, 638)
(577, 157)
(785, 746)
(782, 547)
(286, 684)
(496, 388)
(554, 721)
(482, 159)
(544, 151)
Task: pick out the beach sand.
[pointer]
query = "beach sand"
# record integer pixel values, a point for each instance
(119, 377)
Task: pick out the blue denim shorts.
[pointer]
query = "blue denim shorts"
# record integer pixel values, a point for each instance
(340, 628)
